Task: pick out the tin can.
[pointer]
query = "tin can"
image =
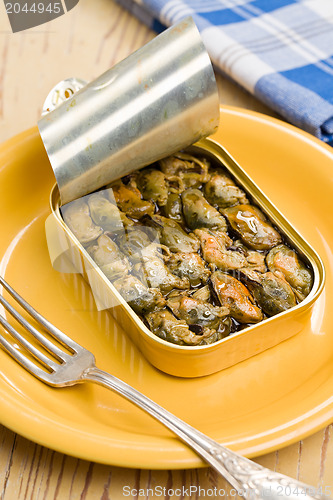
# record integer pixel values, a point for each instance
(195, 361)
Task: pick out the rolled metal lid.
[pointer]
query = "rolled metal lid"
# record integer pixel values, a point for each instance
(155, 102)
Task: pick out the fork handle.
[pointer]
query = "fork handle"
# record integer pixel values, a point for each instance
(249, 479)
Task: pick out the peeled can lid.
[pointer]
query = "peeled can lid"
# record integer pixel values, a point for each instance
(160, 99)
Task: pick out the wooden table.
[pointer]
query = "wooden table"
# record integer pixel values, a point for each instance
(95, 35)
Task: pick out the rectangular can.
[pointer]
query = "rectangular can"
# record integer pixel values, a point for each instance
(195, 361)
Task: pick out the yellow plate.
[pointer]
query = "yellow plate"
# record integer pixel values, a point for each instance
(266, 402)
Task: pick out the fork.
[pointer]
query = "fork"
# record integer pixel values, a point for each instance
(74, 364)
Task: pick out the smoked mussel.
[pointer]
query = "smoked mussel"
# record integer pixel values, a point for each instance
(135, 240)
(197, 312)
(272, 293)
(252, 227)
(166, 326)
(215, 250)
(109, 258)
(222, 192)
(199, 213)
(282, 260)
(77, 217)
(130, 201)
(191, 170)
(154, 272)
(233, 294)
(141, 298)
(173, 209)
(155, 186)
(189, 251)
(190, 266)
(106, 214)
(174, 236)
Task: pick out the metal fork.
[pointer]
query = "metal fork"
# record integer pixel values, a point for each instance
(76, 365)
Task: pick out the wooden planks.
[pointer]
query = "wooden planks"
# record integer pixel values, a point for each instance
(30, 471)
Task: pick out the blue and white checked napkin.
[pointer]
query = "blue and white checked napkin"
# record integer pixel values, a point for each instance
(279, 50)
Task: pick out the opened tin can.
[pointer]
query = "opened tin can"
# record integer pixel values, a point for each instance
(195, 360)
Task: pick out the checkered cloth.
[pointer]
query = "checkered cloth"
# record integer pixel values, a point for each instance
(279, 50)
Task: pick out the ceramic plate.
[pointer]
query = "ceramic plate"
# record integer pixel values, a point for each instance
(264, 403)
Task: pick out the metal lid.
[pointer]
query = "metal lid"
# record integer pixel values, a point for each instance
(155, 102)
